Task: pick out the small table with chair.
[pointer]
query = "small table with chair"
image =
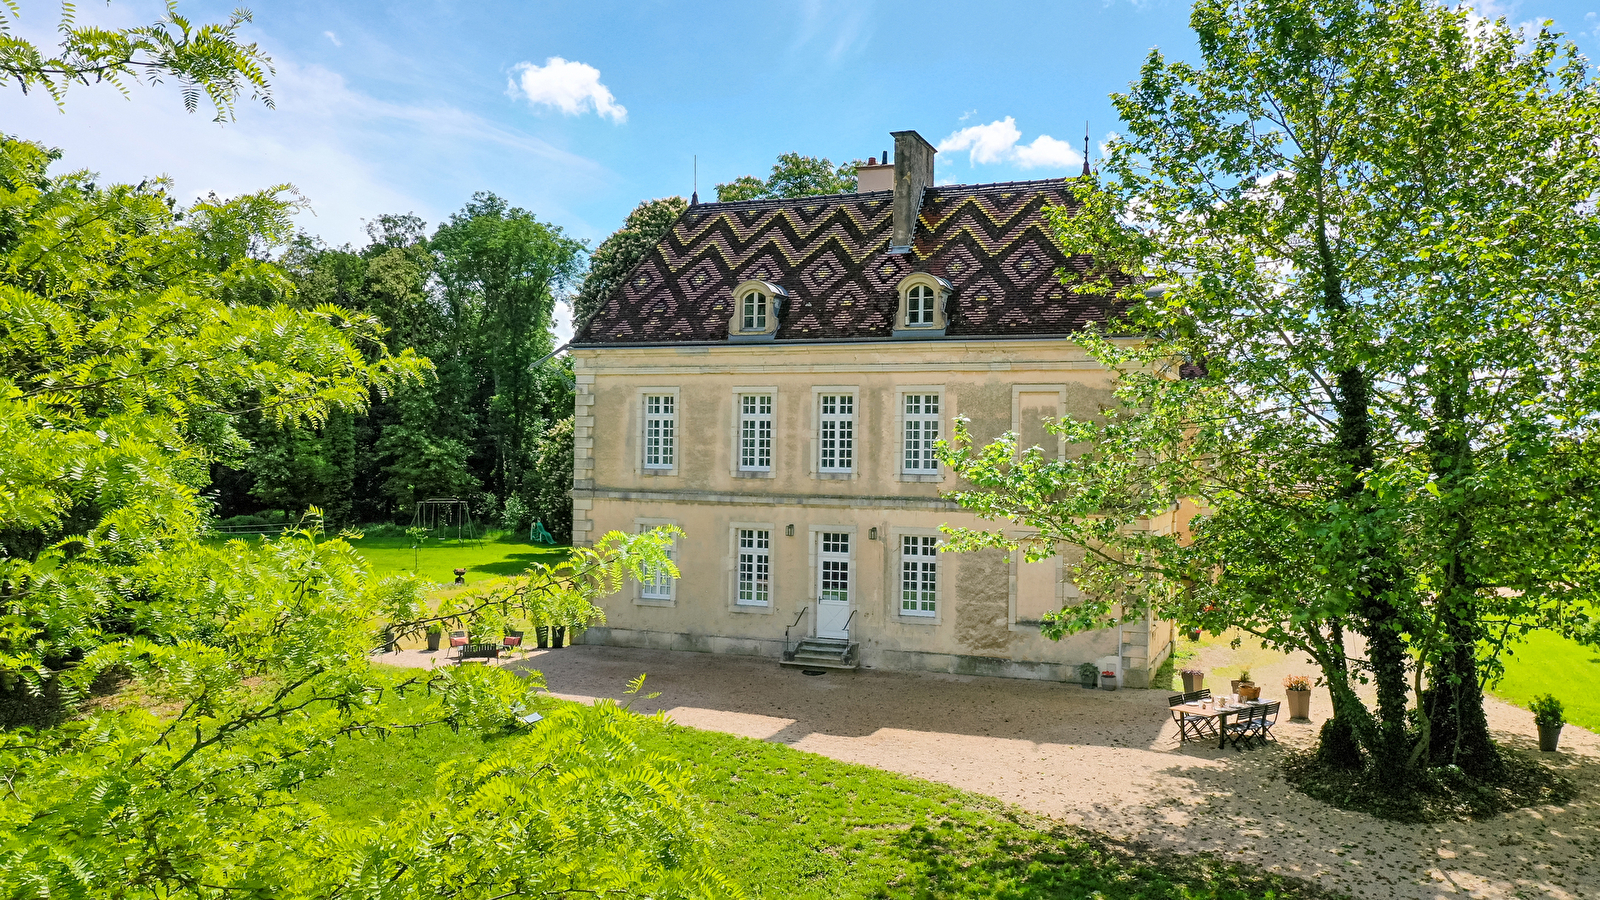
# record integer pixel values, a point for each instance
(1200, 716)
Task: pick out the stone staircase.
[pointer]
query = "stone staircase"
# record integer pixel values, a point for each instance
(823, 653)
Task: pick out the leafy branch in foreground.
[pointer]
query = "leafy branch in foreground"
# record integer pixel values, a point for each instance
(207, 60)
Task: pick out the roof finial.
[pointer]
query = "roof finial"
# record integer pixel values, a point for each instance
(694, 197)
(1086, 172)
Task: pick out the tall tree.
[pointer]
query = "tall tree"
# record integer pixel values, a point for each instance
(505, 268)
(1364, 237)
(618, 254)
(793, 175)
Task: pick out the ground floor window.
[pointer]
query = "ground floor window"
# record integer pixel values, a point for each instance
(919, 575)
(658, 583)
(755, 567)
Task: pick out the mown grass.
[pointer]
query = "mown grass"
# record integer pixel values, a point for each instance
(797, 825)
(437, 559)
(1545, 663)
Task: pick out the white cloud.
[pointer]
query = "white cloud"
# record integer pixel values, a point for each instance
(353, 156)
(998, 142)
(572, 87)
(1047, 152)
(333, 37)
(989, 143)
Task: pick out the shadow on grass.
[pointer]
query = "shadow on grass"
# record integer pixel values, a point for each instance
(1036, 860)
(517, 563)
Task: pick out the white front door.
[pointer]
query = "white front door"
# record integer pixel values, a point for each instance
(833, 585)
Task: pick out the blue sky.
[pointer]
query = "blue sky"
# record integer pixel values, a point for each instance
(578, 111)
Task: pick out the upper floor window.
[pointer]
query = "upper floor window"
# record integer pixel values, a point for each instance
(922, 305)
(921, 433)
(919, 305)
(660, 431)
(755, 433)
(755, 311)
(836, 438)
(757, 307)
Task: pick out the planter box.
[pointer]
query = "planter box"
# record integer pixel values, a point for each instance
(1299, 703)
(1549, 736)
(1248, 691)
(433, 640)
(1193, 683)
(1089, 682)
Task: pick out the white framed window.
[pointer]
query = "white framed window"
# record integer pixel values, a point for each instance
(755, 432)
(921, 431)
(660, 431)
(836, 434)
(919, 306)
(658, 585)
(755, 567)
(753, 309)
(919, 575)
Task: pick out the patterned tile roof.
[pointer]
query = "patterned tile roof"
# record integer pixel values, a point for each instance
(990, 241)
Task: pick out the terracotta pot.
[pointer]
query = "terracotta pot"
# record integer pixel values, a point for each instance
(1299, 704)
(1549, 736)
(1248, 691)
(1193, 683)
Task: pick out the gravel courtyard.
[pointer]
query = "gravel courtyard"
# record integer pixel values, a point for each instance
(1111, 762)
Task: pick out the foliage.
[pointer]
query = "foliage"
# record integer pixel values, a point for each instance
(616, 256)
(1547, 712)
(799, 826)
(135, 338)
(1359, 240)
(792, 175)
(207, 60)
(1547, 663)
(1087, 671)
(1297, 683)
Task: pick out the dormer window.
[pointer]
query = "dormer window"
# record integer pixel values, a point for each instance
(757, 307)
(922, 306)
(755, 311)
(919, 306)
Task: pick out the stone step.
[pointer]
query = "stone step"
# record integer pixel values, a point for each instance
(818, 664)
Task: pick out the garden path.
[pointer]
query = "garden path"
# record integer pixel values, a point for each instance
(1111, 762)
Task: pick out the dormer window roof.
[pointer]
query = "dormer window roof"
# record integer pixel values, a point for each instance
(757, 306)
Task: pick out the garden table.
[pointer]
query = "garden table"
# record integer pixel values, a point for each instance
(1220, 712)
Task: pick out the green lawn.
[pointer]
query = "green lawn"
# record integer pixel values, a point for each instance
(796, 825)
(437, 559)
(1545, 663)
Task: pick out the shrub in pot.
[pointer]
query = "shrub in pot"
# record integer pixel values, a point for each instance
(1087, 673)
(435, 633)
(1242, 681)
(1549, 716)
(1297, 693)
(1108, 681)
(1193, 679)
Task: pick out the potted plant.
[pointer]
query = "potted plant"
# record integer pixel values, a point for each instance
(1549, 716)
(1193, 680)
(1245, 688)
(435, 633)
(1298, 693)
(1108, 680)
(1244, 678)
(1087, 673)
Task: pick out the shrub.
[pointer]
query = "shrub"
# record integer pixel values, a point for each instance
(1547, 711)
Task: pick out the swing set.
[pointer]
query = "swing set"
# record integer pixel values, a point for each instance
(440, 514)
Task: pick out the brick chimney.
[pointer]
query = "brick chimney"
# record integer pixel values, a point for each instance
(913, 173)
